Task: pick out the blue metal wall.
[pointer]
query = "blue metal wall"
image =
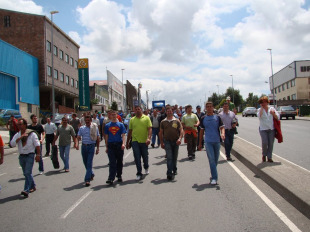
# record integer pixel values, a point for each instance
(14, 62)
(7, 92)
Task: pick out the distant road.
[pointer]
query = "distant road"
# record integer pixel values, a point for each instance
(296, 139)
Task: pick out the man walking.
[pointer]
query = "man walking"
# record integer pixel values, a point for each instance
(140, 130)
(214, 132)
(230, 121)
(89, 134)
(28, 144)
(115, 132)
(41, 134)
(11, 125)
(65, 132)
(155, 119)
(75, 123)
(171, 133)
(190, 123)
(199, 116)
(49, 129)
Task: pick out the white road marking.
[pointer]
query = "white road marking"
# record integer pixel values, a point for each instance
(272, 206)
(128, 154)
(75, 205)
(2, 174)
(275, 155)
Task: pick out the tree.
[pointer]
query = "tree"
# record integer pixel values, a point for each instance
(252, 100)
(236, 98)
(216, 99)
(114, 106)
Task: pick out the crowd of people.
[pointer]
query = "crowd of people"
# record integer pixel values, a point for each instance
(165, 128)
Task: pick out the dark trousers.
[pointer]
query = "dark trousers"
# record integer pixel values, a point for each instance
(202, 141)
(140, 150)
(172, 151)
(228, 142)
(49, 139)
(12, 133)
(191, 144)
(116, 155)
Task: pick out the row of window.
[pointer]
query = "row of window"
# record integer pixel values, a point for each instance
(288, 84)
(7, 21)
(292, 97)
(305, 68)
(68, 59)
(61, 77)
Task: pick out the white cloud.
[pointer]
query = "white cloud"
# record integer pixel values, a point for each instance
(21, 5)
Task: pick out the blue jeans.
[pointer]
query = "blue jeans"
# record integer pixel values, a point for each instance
(140, 150)
(41, 166)
(267, 142)
(213, 152)
(26, 162)
(88, 152)
(155, 132)
(64, 155)
(115, 154)
(172, 151)
(229, 140)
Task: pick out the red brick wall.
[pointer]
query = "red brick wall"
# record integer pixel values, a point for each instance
(65, 110)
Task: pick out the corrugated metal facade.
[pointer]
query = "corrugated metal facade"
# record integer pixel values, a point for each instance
(19, 72)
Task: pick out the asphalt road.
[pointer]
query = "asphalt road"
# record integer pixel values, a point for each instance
(189, 203)
(296, 139)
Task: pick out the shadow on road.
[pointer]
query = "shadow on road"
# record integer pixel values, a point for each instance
(205, 186)
(267, 164)
(160, 157)
(161, 162)
(55, 172)
(102, 166)
(162, 181)
(129, 163)
(16, 180)
(186, 159)
(75, 187)
(11, 198)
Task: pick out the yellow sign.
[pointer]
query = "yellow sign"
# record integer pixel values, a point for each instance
(83, 63)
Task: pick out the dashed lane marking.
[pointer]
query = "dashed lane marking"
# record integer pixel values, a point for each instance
(268, 202)
(2, 174)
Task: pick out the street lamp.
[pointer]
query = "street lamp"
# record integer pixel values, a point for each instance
(139, 93)
(232, 84)
(52, 51)
(273, 98)
(147, 99)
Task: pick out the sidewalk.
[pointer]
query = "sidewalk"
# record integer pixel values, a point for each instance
(290, 181)
(302, 118)
(6, 138)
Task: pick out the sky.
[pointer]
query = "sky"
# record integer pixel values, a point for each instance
(182, 51)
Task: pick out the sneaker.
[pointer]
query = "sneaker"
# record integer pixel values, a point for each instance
(147, 171)
(119, 179)
(270, 160)
(213, 182)
(152, 145)
(264, 158)
(229, 159)
(32, 190)
(41, 173)
(169, 177)
(138, 177)
(109, 182)
(175, 173)
(190, 157)
(87, 184)
(92, 177)
(24, 194)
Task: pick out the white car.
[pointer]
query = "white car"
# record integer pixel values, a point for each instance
(249, 111)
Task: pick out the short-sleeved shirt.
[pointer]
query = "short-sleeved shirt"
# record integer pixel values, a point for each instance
(29, 147)
(38, 128)
(75, 123)
(211, 125)
(227, 119)
(84, 132)
(171, 129)
(190, 120)
(139, 127)
(231, 106)
(114, 130)
(65, 134)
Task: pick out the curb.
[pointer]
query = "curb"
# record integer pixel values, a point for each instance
(280, 185)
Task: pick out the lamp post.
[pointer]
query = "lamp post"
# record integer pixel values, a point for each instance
(123, 108)
(52, 51)
(139, 93)
(232, 84)
(273, 98)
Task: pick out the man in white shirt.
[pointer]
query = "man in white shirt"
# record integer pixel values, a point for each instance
(96, 120)
(28, 144)
(50, 129)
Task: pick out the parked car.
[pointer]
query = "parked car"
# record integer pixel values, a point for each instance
(59, 117)
(5, 114)
(249, 111)
(286, 112)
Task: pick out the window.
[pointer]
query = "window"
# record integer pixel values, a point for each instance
(55, 73)
(283, 87)
(288, 85)
(305, 68)
(279, 89)
(71, 61)
(49, 71)
(75, 64)
(55, 51)
(29, 108)
(62, 77)
(275, 90)
(72, 82)
(48, 45)
(293, 83)
(67, 80)
(61, 54)
(7, 21)
(293, 96)
(67, 58)
(288, 97)
(76, 84)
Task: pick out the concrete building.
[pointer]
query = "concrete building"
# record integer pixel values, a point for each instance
(131, 96)
(99, 90)
(32, 34)
(292, 84)
(19, 80)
